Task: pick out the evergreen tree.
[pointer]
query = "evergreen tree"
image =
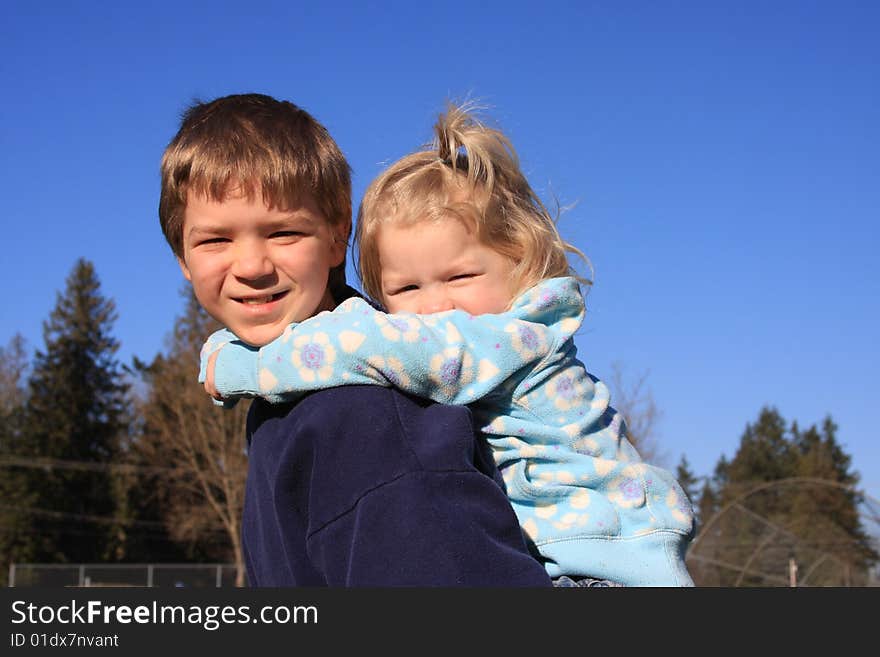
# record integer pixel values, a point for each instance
(785, 495)
(707, 506)
(764, 454)
(721, 474)
(704, 550)
(686, 478)
(688, 482)
(76, 412)
(837, 532)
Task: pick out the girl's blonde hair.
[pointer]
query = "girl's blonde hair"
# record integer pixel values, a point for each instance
(469, 172)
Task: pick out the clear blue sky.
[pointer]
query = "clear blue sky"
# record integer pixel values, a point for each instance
(723, 159)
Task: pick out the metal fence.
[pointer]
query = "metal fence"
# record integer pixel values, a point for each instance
(168, 575)
(746, 544)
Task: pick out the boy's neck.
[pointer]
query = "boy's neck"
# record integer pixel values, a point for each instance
(342, 292)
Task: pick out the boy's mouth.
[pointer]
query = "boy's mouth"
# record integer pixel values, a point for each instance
(256, 301)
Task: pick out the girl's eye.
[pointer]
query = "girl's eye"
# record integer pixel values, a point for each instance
(287, 233)
(405, 288)
(459, 277)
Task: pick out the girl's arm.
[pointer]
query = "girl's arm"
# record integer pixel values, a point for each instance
(450, 357)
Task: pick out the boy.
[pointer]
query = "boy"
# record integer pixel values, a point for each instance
(255, 203)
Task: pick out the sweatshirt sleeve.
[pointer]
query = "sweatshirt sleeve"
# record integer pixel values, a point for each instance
(450, 357)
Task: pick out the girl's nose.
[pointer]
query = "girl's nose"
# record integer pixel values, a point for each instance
(435, 300)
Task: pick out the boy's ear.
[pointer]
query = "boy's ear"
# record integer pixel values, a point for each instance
(184, 269)
(340, 242)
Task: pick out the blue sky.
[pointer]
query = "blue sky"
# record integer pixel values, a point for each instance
(722, 161)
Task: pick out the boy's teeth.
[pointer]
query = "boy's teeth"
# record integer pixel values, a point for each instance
(259, 300)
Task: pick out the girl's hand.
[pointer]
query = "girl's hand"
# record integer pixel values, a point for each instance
(208, 359)
(209, 376)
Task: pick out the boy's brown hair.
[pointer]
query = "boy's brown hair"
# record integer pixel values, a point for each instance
(256, 145)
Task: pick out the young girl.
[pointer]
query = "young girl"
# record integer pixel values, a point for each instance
(483, 304)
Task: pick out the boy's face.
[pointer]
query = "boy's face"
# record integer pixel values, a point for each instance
(256, 269)
(432, 266)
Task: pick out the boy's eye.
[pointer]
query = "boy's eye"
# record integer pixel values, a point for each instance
(212, 240)
(459, 277)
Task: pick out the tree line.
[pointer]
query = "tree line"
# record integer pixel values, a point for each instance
(105, 462)
(785, 510)
(132, 463)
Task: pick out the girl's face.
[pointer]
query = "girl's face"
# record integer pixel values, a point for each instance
(432, 266)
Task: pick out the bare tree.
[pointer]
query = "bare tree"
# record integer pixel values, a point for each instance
(13, 366)
(17, 540)
(201, 494)
(635, 401)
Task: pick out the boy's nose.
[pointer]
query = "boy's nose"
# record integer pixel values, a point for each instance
(252, 263)
(435, 301)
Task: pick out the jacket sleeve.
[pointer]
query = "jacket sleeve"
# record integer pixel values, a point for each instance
(450, 357)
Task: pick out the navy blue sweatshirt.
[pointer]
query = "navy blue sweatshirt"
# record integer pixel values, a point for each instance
(366, 486)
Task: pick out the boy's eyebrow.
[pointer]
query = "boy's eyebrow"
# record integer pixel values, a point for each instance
(276, 223)
(213, 230)
(292, 217)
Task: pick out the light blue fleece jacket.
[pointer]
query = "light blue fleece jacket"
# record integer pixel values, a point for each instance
(581, 492)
